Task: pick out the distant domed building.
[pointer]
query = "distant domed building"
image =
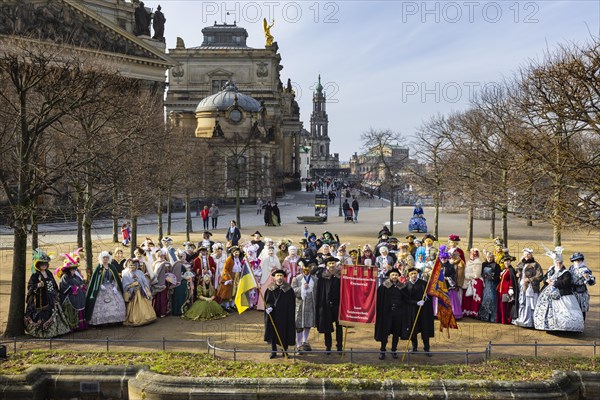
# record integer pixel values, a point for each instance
(242, 151)
(231, 98)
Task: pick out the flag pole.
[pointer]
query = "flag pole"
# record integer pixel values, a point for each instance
(345, 337)
(418, 312)
(269, 314)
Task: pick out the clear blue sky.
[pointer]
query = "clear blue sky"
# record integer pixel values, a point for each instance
(392, 64)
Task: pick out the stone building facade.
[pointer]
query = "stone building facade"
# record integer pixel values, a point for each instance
(101, 32)
(222, 57)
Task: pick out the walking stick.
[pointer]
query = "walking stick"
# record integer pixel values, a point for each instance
(269, 314)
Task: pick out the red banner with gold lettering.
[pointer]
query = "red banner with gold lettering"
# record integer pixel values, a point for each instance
(358, 294)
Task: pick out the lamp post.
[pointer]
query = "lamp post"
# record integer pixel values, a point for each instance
(340, 196)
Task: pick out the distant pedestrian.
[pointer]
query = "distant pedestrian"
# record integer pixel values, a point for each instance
(204, 214)
(276, 215)
(268, 214)
(233, 234)
(213, 213)
(126, 235)
(259, 206)
(355, 208)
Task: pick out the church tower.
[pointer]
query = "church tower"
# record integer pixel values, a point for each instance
(320, 158)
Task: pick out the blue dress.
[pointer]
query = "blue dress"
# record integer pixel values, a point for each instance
(417, 223)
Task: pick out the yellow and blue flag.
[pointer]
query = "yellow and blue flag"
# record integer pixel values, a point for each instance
(247, 283)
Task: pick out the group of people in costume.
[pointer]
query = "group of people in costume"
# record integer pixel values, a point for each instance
(298, 287)
(492, 289)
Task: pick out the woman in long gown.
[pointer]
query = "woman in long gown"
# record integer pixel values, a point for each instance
(104, 303)
(225, 292)
(473, 285)
(219, 256)
(582, 277)
(557, 308)
(160, 291)
(138, 295)
(44, 317)
(490, 274)
(205, 308)
(269, 263)
(507, 291)
(72, 290)
(180, 288)
(530, 274)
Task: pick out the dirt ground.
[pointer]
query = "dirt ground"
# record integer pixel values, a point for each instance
(244, 332)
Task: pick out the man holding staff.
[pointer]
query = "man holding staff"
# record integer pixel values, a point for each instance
(420, 310)
(280, 307)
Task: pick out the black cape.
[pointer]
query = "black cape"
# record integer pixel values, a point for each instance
(392, 312)
(414, 293)
(328, 300)
(283, 301)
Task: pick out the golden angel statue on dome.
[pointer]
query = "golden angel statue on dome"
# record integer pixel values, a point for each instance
(267, 29)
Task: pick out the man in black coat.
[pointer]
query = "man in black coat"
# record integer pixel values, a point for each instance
(328, 303)
(415, 290)
(280, 304)
(391, 312)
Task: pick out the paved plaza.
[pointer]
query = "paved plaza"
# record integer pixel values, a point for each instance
(245, 331)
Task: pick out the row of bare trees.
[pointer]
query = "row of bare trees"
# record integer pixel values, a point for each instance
(527, 145)
(79, 138)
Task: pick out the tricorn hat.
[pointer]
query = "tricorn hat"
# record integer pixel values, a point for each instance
(454, 238)
(396, 270)
(507, 256)
(429, 236)
(411, 236)
(330, 259)
(207, 233)
(257, 233)
(384, 231)
(279, 271)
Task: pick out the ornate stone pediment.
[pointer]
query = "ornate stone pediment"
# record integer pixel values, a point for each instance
(66, 22)
(220, 72)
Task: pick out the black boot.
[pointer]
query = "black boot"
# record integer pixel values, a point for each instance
(382, 355)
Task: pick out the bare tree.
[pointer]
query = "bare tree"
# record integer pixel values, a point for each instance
(431, 150)
(143, 135)
(386, 163)
(40, 86)
(553, 97)
(240, 158)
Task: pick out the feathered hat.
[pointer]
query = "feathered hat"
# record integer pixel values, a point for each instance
(454, 238)
(104, 254)
(443, 252)
(70, 261)
(556, 254)
(38, 256)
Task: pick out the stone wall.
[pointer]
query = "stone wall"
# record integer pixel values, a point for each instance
(136, 382)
